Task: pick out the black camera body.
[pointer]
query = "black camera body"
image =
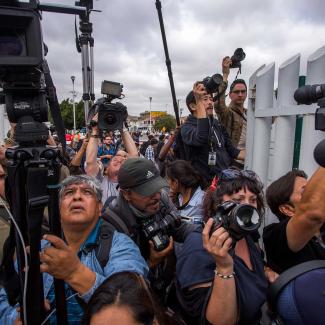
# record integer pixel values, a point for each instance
(212, 83)
(111, 116)
(238, 56)
(158, 231)
(310, 94)
(238, 219)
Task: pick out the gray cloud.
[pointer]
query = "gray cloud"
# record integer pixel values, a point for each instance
(128, 45)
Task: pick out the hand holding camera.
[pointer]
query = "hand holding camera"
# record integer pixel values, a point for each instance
(156, 257)
(218, 245)
(226, 63)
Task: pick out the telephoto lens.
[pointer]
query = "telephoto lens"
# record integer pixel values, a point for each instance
(238, 219)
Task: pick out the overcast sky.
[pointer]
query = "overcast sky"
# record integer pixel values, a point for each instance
(128, 44)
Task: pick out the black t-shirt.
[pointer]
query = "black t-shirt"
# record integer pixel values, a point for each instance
(278, 254)
(195, 265)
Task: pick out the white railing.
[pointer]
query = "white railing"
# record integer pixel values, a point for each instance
(272, 156)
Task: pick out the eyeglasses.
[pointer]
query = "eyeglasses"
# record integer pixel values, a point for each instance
(239, 92)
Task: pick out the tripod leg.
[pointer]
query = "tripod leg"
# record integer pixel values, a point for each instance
(55, 228)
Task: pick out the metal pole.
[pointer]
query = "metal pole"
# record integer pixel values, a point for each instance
(150, 99)
(73, 104)
(168, 62)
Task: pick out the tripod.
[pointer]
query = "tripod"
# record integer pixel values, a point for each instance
(33, 175)
(85, 46)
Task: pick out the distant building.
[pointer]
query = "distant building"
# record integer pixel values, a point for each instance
(145, 116)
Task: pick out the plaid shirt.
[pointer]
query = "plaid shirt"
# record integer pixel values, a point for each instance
(150, 153)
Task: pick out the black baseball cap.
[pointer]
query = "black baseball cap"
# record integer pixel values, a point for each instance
(141, 176)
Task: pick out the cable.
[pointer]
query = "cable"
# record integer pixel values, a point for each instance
(25, 257)
(54, 310)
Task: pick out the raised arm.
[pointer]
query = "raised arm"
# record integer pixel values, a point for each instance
(129, 144)
(222, 307)
(92, 168)
(310, 213)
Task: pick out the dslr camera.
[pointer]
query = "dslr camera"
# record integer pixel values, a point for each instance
(212, 83)
(238, 219)
(158, 231)
(111, 116)
(238, 56)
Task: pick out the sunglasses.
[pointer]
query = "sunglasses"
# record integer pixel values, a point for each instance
(231, 174)
(239, 92)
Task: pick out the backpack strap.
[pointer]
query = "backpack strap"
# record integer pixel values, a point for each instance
(289, 275)
(104, 242)
(113, 218)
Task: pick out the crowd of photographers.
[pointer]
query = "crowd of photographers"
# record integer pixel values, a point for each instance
(170, 232)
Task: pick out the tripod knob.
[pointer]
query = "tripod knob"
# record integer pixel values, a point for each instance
(49, 154)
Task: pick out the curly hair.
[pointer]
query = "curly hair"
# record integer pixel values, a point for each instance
(214, 197)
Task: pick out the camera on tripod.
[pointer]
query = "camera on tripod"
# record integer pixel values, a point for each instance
(238, 219)
(111, 116)
(21, 58)
(159, 231)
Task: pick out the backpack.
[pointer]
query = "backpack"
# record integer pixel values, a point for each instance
(276, 288)
(181, 151)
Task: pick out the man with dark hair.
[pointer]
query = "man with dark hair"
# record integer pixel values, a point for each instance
(206, 141)
(296, 238)
(233, 116)
(106, 150)
(144, 212)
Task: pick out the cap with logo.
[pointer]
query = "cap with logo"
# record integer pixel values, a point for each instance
(141, 176)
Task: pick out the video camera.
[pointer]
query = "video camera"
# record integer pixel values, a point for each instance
(310, 94)
(158, 231)
(238, 219)
(33, 167)
(111, 116)
(21, 59)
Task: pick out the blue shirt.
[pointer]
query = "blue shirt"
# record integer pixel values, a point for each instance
(124, 256)
(195, 266)
(194, 208)
(103, 150)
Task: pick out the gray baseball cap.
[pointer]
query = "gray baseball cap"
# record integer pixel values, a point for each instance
(141, 176)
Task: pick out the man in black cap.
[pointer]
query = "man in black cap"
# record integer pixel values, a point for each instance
(144, 212)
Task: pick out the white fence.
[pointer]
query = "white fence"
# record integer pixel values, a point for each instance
(270, 146)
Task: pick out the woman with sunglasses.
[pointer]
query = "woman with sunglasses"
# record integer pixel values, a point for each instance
(219, 280)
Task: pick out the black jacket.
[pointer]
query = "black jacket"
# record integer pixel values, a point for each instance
(122, 209)
(199, 136)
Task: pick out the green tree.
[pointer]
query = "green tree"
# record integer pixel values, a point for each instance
(67, 114)
(167, 121)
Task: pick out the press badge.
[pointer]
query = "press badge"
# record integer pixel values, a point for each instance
(212, 158)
